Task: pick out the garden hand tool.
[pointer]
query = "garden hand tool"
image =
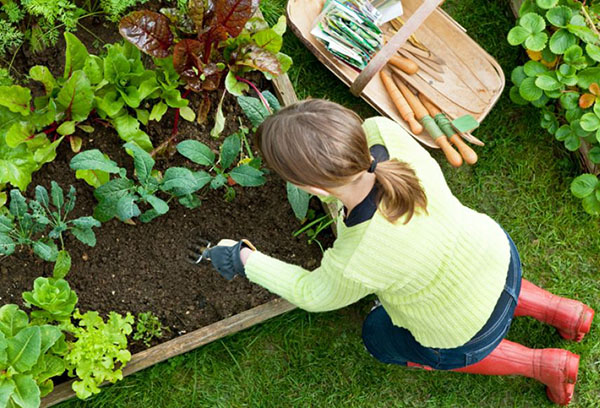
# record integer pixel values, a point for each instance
(429, 124)
(401, 104)
(225, 257)
(444, 123)
(196, 250)
(405, 64)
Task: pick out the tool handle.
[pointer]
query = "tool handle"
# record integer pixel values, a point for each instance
(401, 103)
(405, 64)
(452, 155)
(413, 101)
(465, 151)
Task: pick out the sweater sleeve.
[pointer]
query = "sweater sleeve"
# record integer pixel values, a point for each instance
(321, 290)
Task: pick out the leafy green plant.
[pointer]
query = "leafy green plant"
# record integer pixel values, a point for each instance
(562, 76)
(124, 86)
(30, 356)
(211, 42)
(55, 299)
(99, 351)
(315, 225)
(28, 224)
(246, 174)
(37, 21)
(147, 328)
(120, 196)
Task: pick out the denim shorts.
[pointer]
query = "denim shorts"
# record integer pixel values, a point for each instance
(396, 345)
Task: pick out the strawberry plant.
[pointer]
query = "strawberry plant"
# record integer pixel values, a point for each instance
(211, 46)
(120, 196)
(562, 77)
(39, 223)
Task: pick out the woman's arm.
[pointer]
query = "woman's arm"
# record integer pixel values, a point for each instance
(321, 290)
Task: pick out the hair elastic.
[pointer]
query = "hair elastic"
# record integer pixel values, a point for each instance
(373, 166)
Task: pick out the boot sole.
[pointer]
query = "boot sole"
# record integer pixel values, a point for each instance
(585, 323)
(566, 390)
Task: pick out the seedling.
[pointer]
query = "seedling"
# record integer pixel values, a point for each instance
(28, 221)
(314, 227)
(147, 328)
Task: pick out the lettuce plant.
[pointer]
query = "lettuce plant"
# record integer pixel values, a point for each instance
(40, 222)
(121, 196)
(215, 40)
(562, 77)
(53, 297)
(99, 351)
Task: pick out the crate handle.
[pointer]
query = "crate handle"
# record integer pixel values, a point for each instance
(398, 40)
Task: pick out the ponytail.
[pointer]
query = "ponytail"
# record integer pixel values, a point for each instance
(400, 190)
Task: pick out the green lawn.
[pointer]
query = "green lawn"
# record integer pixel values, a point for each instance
(317, 360)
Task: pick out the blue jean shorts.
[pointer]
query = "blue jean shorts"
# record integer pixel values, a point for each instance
(396, 345)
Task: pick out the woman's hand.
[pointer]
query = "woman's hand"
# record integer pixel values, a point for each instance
(229, 257)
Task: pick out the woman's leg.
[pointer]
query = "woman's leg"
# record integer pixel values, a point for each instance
(572, 318)
(556, 368)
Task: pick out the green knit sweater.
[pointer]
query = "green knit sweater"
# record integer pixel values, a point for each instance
(438, 276)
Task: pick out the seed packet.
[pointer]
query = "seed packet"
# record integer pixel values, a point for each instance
(389, 9)
(349, 31)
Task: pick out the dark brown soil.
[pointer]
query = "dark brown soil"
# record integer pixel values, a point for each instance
(143, 267)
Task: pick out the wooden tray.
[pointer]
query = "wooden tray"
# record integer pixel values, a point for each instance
(473, 80)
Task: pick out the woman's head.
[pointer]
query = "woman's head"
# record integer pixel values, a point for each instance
(317, 143)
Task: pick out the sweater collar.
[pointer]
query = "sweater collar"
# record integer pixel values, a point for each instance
(365, 210)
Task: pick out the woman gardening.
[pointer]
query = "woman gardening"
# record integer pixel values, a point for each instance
(448, 278)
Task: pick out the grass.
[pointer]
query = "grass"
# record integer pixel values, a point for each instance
(317, 360)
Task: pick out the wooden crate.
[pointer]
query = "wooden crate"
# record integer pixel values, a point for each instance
(473, 80)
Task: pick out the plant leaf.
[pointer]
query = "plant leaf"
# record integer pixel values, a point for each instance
(196, 10)
(588, 76)
(159, 205)
(75, 54)
(93, 160)
(532, 22)
(158, 111)
(42, 74)
(593, 51)
(85, 236)
(148, 31)
(187, 60)
(180, 181)
(260, 59)
(62, 265)
(537, 41)
(23, 349)
(584, 185)
(234, 86)
(7, 245)
(143, 162)
(197, 152)
(229, 150)
(559, 16)
(127, 207)
(26, 393)
(229, 17)
(517, 35)
(45, 250)
(219, 119)
(129, 130)
(247, 176)
(561, 40)
(298, 199)
(256, 112)
(76, 97)
(16, 98)
(529, 90)
(591, 205)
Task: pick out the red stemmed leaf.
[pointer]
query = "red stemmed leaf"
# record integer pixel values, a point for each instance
(586, 100)
(262, 60)
(187, 60)
(229, 18)
(148, 31)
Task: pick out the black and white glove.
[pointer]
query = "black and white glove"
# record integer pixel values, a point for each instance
(226, 259)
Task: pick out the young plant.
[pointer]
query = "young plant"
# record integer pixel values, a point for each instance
(28, 224)
(213, 41)
(30, 356)
(314, 227)
(120, 197)
(54, 298)
(247, 173)
(99, 350)
(147, 328)
(562, 77)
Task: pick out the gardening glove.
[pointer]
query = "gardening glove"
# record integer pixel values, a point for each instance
(225, 257)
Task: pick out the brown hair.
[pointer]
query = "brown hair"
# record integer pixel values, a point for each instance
(322, 144)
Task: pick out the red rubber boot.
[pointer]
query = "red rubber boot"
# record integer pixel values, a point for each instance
(556, 368)
(572, 318)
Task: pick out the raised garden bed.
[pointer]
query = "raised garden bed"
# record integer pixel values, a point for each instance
(143, 267)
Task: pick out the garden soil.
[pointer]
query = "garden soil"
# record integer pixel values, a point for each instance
(143, 267)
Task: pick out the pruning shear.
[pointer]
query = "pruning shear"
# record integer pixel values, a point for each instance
(196, 250)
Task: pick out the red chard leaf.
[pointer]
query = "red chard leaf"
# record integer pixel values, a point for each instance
(257, 58)
(148, 31)
(229, 19)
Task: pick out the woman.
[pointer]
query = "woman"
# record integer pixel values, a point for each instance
(448, 278)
